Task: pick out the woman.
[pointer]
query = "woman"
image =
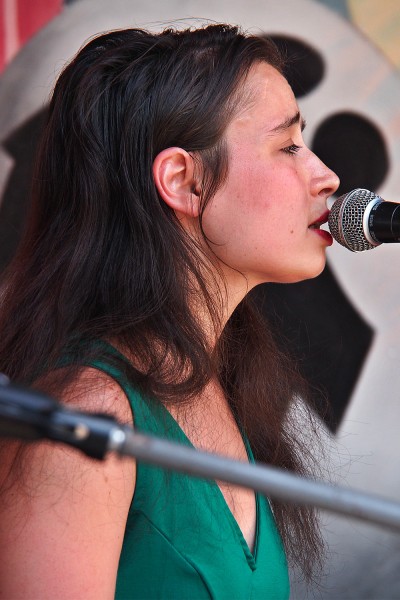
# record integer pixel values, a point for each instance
(172, 179)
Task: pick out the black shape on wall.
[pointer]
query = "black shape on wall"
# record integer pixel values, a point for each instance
(21, 145)
(354, 148)
(315, 322)
(304, 68)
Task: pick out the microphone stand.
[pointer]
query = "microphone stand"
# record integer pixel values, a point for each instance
(29, 415)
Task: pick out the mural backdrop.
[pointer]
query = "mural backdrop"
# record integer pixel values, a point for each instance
(342, 327)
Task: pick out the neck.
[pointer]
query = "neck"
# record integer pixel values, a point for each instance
(227, 291)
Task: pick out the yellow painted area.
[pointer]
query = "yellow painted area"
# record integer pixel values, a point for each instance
(379, 20)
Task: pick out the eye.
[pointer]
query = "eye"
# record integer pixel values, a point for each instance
(292, 149)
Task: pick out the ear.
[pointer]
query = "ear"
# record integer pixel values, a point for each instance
(173, 172)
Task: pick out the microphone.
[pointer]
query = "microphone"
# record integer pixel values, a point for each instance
(362, 220)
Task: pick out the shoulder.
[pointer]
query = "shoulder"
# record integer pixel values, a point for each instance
(62, 522)
(90, 390)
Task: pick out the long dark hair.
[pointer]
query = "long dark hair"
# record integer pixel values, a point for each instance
(103, 257)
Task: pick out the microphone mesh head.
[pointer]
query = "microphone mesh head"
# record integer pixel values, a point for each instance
(346, 220)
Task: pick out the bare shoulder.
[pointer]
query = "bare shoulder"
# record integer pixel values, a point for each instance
(63, 517)
(92, 390)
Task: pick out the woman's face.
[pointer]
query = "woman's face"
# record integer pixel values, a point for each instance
(262, 220)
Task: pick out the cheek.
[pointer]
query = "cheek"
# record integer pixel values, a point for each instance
(259, 201)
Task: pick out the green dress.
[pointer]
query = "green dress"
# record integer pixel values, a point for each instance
(181, 539)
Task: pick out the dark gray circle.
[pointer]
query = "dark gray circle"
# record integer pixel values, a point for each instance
(304, 65)
(354, 148)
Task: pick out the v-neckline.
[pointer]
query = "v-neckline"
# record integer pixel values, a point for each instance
(251, 557)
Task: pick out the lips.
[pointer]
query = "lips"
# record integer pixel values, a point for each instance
(321, 233)
(320, 221)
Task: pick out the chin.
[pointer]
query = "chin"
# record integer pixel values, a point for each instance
(311, 274)
(291, 274)
(302, 275)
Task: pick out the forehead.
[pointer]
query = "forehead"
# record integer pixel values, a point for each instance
(269, 100)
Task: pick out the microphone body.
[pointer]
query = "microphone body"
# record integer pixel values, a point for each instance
(362, 220)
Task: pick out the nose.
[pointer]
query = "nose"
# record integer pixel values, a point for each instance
(324, 182)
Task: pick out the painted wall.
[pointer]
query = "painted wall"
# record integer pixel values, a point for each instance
(355, 42)
(19, 21)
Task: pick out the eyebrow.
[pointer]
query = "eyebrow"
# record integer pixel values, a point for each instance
(289, 122)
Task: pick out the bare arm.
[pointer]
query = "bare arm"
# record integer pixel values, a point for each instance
(62, 524)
